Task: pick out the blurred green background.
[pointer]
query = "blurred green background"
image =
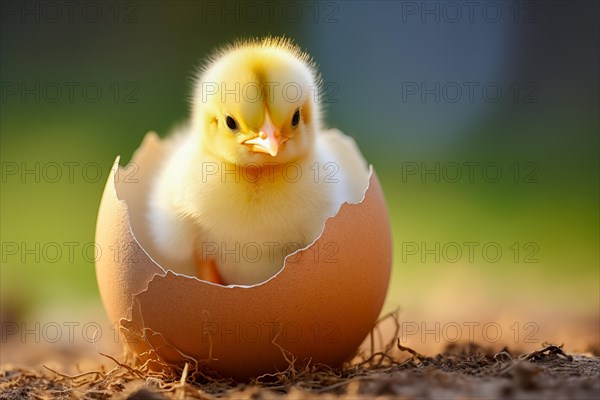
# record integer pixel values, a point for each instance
(494, 87)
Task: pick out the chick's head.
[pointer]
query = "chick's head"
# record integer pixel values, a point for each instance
(257, 102)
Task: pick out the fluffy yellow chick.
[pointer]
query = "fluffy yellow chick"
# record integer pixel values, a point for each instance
(249, 178)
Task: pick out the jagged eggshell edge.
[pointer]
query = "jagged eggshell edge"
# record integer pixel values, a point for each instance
(320, 306)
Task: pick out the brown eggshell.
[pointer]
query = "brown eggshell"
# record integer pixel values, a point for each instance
(320, 306)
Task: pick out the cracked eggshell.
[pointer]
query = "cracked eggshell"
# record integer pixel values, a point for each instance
(316, 307)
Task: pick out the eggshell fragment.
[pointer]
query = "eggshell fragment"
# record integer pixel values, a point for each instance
(319, 307)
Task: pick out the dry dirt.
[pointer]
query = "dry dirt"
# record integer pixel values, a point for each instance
(461, 372)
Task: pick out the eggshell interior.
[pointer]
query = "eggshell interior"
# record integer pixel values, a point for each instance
(319, 307)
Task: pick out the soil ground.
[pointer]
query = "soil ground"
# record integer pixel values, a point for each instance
(461, 372)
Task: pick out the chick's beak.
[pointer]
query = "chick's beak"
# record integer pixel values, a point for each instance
(269, 138)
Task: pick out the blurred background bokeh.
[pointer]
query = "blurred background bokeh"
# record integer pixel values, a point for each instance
(481, 119)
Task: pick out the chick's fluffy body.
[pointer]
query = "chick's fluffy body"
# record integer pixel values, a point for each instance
(215, 199)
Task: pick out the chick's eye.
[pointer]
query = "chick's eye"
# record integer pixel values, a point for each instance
(296, 118)
(231, 124)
